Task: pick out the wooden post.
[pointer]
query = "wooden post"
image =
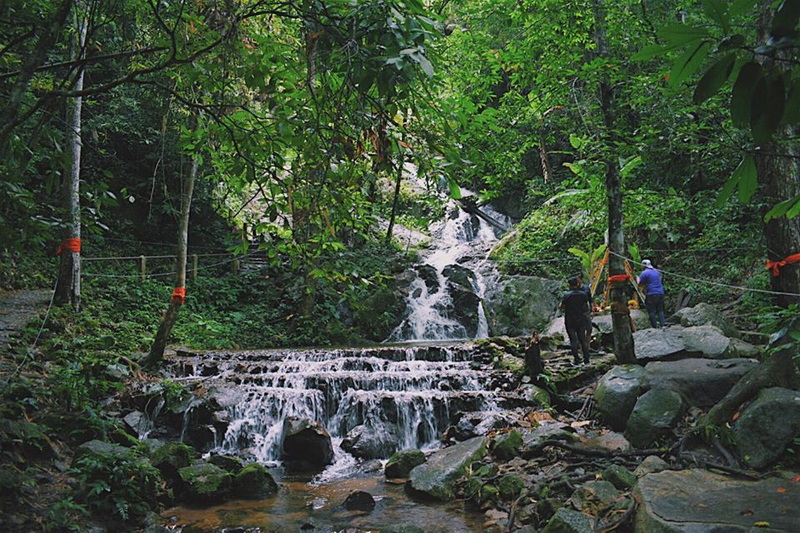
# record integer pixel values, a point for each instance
(194, 268)
(143, 266)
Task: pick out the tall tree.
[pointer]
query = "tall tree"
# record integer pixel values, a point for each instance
(68, 289)
(156, 354)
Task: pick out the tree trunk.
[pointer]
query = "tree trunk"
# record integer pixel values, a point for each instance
(156, 354)
(68, 289)
(395, 201)
(620, 314)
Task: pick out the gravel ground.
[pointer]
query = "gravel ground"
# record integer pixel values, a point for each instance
(16, 309)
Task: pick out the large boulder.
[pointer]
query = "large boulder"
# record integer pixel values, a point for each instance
(374, 441)
(617, 392)
(204, 484)
(677, 342)
(401, 463)
(306, 444)
(436, 478)
(768, 426)
(702, 502)
(518, 305)
(254, 482)
(704, 314)
(702, 382)
(654, 414)
(460, 283)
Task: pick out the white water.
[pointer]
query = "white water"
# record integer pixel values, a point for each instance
(461, 241)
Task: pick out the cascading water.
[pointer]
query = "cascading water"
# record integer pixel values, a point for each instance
(405, 396)
(445, 298)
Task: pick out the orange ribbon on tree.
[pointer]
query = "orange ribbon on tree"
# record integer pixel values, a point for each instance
(178, 295)
(69, 245)
(619, 278)
(775, 266)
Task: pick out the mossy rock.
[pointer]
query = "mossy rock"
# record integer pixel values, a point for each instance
(229, 463)
(619, 476)
(254, 482)
(204, 483)
(401, 463)
(507, 446)
(510, 487)
(174, 454)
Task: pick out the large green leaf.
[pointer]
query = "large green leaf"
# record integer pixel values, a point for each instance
(688, 63)
(785, 208)
(742, 94)
(747, 178)
(767, 107)
(791, 115)
(740, 7)
(714, 78)
(717, 10)
(681, 34)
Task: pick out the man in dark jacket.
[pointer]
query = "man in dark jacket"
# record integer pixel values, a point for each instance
(575, 304)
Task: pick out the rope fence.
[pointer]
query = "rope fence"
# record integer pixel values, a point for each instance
(145, 268)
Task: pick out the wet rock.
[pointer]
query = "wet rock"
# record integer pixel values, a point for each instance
(204, 483)
(374, 441)
(654, 414)
(138, 423)
(536, 396)
(229, 463)
(462, 431)
(102, 451)
(507, 445)
(518, 305)
(170, 458)
(254, 482)
(401, 463)
(306, 444)
(702, 502)
(510, 487)
(546, 430)
(768, 426)
(617, 392)
(359, 501)
(436, 478)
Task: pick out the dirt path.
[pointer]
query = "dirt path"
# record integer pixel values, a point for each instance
(16, 309)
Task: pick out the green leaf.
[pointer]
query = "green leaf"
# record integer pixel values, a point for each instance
(742, 94)
(681, 34)
(714, 78)
(783, 208)
(650, 51)
(791, 115)
(717, 10)
(767, 107)
(575, 141)
(785, 19)
(626, 167)
(747, 178)
(455, 189)
(739, 7)
(689, 62)
(726, 192)
(426, 65)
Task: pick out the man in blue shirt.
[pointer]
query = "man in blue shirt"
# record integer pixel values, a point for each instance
(650, 280)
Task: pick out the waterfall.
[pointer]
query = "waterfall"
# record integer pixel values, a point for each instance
(410, 393)
(445, 297)
(394, 396)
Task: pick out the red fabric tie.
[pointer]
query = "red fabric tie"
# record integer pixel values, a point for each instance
(69, 245)
(775, 266)
(619, 278)
(178, 295)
